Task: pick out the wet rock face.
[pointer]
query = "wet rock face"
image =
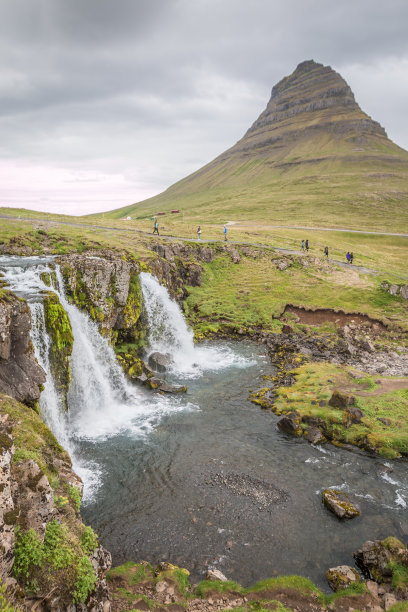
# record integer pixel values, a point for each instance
(20, 373)
(101, 286)
(160, 362)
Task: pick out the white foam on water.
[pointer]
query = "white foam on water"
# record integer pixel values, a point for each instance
(400, 500)
(387, 478)
(170, 334)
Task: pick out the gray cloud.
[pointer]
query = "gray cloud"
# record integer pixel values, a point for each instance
(153, 90)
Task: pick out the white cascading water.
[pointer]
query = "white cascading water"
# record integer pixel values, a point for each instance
(101, 401)
(169, 334)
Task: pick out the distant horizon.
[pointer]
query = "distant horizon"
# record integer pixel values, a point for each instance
(102, 109)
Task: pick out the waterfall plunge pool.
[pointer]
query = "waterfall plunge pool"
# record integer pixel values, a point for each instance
(203, 479)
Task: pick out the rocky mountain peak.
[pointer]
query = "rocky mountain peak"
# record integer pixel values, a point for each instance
(313, 91)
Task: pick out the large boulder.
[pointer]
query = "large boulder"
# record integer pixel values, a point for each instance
(341, 577)
(378, 558)
(340, 504)
(341, 400)
(160, 362)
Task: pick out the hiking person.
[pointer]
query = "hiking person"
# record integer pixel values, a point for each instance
(307, 245)
(348, 257)
(156, 227)
(199, 232)
(351, 257)
(326, 251)
(225, 233)
(302, 245)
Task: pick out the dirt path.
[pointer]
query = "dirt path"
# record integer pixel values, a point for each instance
(386, 385)
(343, 264)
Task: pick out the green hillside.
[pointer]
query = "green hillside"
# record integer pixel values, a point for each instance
(313, 157)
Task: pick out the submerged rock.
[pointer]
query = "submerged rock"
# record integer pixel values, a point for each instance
(341, 577)
(340, 504)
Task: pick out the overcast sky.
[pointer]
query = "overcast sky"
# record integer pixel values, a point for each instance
(107, 102)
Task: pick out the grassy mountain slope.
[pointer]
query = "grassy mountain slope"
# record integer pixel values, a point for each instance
(312, 157)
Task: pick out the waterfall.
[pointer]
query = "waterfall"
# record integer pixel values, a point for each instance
(101, 402)
(170, 334)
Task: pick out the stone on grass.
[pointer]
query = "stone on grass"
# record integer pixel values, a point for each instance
(341, 577)
(340, 504)
(341, 400)
(352, 415)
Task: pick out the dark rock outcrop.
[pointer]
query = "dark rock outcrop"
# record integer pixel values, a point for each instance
(21, 376)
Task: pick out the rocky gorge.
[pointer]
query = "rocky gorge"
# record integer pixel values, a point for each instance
(50, 559)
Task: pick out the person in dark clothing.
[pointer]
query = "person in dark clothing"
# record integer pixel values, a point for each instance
(156, 227)
(351, 258)
(326, 251)
(348, 257)
(307, 245)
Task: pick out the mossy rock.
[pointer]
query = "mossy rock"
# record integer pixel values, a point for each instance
(341, 577)
(62, 340)
(340, 504)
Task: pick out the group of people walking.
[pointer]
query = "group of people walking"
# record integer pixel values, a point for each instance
(304, 245)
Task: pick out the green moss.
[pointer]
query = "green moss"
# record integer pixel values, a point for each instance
(304, 585)
(32, 438)
(216, 585)
(401, 606)
(399, 575)
(355, 589)
(133, 573)
(62, 341)
(393, 544)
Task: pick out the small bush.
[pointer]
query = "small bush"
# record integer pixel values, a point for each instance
(89, 540)
(75, 496)
(86, 580)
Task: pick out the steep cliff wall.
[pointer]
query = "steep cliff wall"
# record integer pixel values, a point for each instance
(48, 557)
(21, 376)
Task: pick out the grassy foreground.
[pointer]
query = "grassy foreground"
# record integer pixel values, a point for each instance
(138, 586)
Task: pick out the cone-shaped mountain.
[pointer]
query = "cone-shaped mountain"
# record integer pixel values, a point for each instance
(312, 156)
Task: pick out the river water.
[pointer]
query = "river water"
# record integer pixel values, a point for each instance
(204, 478)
